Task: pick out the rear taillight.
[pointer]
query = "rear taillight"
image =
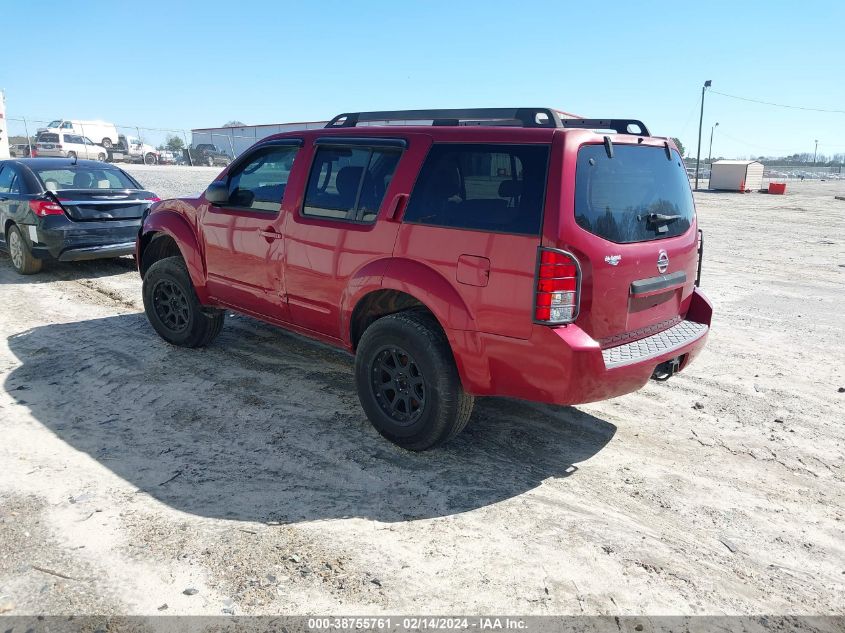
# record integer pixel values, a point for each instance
(33, 153)
(153, 199)
(558, 287)
(46, 207)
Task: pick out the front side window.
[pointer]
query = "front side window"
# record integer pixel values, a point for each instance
(349, 183)
(637, 196)
(259, 183)
(497, 188)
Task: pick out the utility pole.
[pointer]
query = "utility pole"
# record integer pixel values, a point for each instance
(710, 153)
(706, 85)
(815, 152)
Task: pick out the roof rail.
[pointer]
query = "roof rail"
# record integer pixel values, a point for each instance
(523, 117)
(620, 126)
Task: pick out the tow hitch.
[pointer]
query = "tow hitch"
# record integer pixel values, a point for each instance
(667, 369)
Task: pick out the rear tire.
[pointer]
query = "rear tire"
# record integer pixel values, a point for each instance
(150, 159)
(106, 143)
(101, 158)
(71, 155)
(408, 383)
(173, 308)
(22, 259)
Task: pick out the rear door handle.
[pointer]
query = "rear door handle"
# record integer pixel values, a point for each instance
(397, 206)
(270, 234)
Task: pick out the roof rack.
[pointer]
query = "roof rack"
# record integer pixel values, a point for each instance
(523, 117)
(520, 117)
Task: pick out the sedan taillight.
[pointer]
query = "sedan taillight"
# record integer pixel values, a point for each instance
(558, 287)
(46, 207)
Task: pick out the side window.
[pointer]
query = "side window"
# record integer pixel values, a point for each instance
(499, 188)
(7, 178)
(67, 125)
(259, 183)
(349, 183)
(72, 138)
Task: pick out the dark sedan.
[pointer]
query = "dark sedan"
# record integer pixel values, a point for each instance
(68, 210)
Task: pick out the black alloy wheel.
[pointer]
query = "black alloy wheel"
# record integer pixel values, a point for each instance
(398, 385)
(171, 305)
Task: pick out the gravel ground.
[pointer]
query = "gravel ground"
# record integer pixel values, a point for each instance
(244, 478)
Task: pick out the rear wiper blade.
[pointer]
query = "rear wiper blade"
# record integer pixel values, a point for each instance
(655, 218)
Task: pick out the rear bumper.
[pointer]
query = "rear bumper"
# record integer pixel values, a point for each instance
(566, 366)
(58, 237)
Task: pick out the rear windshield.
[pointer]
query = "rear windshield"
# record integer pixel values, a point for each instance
(83, 178)
(48, 137)
(636, 196)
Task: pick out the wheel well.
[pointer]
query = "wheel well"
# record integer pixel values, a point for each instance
(156, 246)
(6, 228)
(378, 304)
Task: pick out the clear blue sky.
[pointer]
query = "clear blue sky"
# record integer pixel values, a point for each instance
(196, 64)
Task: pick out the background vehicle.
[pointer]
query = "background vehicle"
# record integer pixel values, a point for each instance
(55, 208)
(19, 150)
(508, 252)
(132, 149)
(61, 145)
(102, 132)
(208, 154)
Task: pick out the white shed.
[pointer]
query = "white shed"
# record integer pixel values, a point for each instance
(736, 175)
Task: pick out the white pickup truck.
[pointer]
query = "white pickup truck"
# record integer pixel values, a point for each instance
(130, 149)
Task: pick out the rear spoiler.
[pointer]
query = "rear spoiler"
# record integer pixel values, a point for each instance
(620, 126)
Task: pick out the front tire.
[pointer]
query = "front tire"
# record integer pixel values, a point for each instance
(22, 258)
(106, 143)
(408, 383)
(173, 308)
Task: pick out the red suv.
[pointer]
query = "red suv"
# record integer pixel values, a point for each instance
(508, 252)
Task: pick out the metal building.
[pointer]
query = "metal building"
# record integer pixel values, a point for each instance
(234, 140)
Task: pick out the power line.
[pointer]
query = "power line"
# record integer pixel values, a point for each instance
(779, 105)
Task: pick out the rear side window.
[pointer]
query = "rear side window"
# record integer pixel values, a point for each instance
(7, 180)
(498, 188)
(637, 196)
(260, 183)
(349, 183)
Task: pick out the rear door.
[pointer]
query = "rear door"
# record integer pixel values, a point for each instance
(475, 216)
(333, 231)
(632, 225)
(243, 239)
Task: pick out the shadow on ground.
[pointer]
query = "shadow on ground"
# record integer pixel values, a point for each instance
(266, 426)
(67, 271)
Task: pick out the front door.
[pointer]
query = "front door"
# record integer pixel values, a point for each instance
(244, 245)
(334, 232)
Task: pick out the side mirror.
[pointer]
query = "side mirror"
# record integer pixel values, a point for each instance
(217, 192)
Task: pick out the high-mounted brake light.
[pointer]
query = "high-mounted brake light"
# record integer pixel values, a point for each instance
(46, 207)
(558, 287)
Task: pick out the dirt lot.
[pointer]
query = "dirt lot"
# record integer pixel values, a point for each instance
(245, 474)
